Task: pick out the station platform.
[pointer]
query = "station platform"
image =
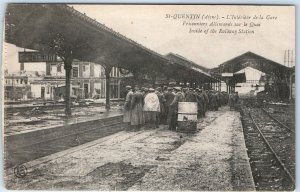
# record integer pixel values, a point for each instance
(214, 158)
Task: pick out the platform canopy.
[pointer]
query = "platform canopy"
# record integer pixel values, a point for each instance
(188, 71)
(255, 61)
(40, 26)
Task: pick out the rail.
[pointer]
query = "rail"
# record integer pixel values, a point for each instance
(274, 153)
(280, 123)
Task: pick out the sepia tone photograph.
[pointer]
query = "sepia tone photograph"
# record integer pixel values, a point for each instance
(149, 97)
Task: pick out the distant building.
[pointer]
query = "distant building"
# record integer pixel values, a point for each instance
(263, 75)
(17, 86)
(87, 80)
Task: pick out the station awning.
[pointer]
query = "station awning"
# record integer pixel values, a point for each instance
(88, 40)
(187, 70)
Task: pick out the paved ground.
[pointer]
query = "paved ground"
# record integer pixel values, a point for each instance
(212, 159)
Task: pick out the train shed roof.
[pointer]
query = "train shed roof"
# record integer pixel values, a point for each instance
(48, 27)
(253, 60)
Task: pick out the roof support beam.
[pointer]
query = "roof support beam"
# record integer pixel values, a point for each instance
(107, 84)
(68, 68)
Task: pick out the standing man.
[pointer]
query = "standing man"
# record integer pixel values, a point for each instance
(151, 108)
(169, 96)
(146, 91)
(200, 97)
(237, 98)
(127, 106)
(190, 96)
(162, 102)
(137, 114)
(231, 100)
(213, 101)
(179, 97)
(206, 101)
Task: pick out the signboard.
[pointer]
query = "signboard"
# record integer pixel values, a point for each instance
(36, 57)
(227, 74)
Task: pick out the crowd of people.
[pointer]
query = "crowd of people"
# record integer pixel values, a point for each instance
(149, 107)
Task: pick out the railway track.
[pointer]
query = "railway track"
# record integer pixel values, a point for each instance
(271, 149)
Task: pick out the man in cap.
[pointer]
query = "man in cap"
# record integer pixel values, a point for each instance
(231, 100)
(127, 106)
(162, 102)
(201, 101)
(206, 101)
(146, 91)
(169, 96)
(137, 114)
(179, 97)
(151, 108)
(184, 92)
(215, 101)
(190, 96)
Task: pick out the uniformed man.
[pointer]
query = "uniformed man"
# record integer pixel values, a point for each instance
(162, 102)
(127, 106)
(231, 101)
(213, 100)
(146, 91)
(206, 101)
(137, 114)
(169, 96)
(179, 97)
(190, 96)
(201, 103)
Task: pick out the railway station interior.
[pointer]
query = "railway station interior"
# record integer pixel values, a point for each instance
(65, 127)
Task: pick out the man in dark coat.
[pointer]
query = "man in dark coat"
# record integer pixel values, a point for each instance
(179, 97)
(162, 102)
(206, 101)
(127, 106)
(210, 103)
(213, 100)
(137, 114)
(190, 96)
(201, 102)
(231, 101)
(216, 100)
(169, 96)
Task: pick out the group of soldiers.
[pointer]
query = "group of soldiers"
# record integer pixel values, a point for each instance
(148, 107)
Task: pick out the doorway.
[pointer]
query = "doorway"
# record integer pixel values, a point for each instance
(43, 92)
(86, 90)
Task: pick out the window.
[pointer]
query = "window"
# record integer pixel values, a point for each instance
(59, 68)
(75, 71)
(115, 72)
(86, 70)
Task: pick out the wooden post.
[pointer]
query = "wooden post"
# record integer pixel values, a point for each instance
(68, 68)
(107, 84)
(119, 88)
